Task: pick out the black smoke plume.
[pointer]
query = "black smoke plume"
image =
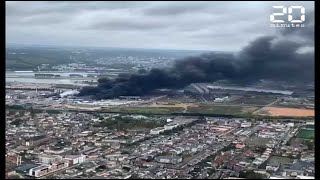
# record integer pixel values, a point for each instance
(272, 58)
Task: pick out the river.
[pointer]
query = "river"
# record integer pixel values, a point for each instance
(28, 77)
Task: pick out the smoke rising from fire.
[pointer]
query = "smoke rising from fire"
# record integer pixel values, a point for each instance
(275, 58)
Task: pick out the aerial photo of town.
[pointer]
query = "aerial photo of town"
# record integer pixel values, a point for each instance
(119, 98)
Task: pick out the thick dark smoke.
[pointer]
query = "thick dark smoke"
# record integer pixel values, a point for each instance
(306, 33)
(272, 58)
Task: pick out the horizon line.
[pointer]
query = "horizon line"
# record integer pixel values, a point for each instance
(112, 47)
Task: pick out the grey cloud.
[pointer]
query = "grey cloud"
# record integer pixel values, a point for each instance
(175, 8)
(183, 25)
(17, 8)
(127, 25)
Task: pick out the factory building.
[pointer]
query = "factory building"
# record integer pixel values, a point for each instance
(157, 130)
(246, 124)
(45, 169)
(35, 140)
(75, 159)
(169, 159)
(48, 159)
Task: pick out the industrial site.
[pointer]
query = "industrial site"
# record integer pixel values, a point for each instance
(159, 90)
(201, 130)
(197, 98)
(204, 130)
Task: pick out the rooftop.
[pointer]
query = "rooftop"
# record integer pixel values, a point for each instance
(26, 167)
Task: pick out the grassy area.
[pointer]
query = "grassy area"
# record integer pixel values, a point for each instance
(257, 141)
(206, 110)
(256, 100)
(230, 110)
(279, 159)
(300, 103)
(201, 109)
(144, 110)
(302, 106)
(306, 134)
(310, 126)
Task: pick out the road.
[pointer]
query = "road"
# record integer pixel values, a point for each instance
(270, 104)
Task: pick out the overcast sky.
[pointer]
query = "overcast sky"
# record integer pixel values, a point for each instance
(219, 26)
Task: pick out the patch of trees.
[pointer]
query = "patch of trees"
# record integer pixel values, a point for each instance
(310, 145)
(17, 122)
(15, 107)
(123, 123)
(251, 175)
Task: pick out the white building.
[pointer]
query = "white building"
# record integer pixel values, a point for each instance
(44, 169)
(272, 167)
(170, 126)
(50, 151)
(221, 99)
(39, 170)
(157, 130)
(75, 159)
(47, 159)
(169, 159)
(246, 124)
(310, 123)
(290, 124)
(305, 177)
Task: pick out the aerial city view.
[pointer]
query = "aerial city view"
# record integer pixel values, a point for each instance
(159, 90)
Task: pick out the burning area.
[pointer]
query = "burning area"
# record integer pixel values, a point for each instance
(283, 57)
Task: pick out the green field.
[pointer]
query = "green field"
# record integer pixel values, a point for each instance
(279, 159)
(202, 109)
(145, 110)
(225, 110)
(254, 100)
(257, 141)
(306, 134)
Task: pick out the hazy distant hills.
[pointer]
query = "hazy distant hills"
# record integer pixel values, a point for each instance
(19, 57)
(30, 58)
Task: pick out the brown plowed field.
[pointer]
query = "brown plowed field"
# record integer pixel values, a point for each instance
(277, 111)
